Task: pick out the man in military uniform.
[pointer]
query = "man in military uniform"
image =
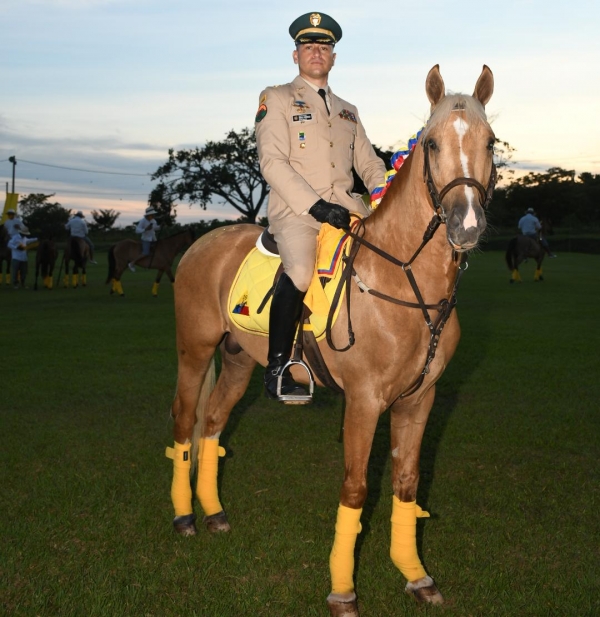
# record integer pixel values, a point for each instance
(308, 141)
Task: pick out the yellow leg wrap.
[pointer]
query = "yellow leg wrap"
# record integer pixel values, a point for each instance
(84, 279)
(341, 559)
(181, 489)
(208, 469)
(403, 549)
(66, 280)
(155, 289)
(74, 279)
(538, 274)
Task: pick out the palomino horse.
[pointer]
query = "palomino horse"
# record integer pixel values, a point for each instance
(404, 256)
(5, 255)
(77, 251)
(161, 258)
(522, 248)
(45, 259)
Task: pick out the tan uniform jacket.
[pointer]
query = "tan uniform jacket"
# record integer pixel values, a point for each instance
(305, 154)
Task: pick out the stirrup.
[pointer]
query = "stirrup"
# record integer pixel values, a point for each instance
(295, 399)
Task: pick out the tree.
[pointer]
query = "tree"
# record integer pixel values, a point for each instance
(556, 195)
(44, 219)
(104, 220)
(161, 198)
(225, 170)
(503, 153)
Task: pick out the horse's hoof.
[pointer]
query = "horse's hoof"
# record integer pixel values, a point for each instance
(342, 605)
(425, 591)
(185, 525)
(217, 523)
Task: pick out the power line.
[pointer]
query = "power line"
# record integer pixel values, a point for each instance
(90, 171)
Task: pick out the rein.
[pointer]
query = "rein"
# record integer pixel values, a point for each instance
(444, 306)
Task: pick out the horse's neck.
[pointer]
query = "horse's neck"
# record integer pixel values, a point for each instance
(174, 244)
(399, 224)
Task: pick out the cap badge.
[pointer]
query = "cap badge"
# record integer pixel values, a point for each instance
(315, 19)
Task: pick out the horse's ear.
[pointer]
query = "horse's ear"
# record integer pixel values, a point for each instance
(484, 88)
(434, 86)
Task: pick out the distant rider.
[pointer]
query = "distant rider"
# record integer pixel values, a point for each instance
(147, 228)
(530, 226)
(78, 229)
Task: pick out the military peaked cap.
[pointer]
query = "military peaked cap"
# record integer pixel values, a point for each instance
(316, 28)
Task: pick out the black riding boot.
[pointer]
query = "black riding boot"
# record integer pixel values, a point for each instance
(286, 308)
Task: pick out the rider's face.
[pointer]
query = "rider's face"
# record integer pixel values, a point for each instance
(315, 60)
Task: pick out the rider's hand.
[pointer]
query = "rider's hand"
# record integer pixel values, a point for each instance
(334, 214)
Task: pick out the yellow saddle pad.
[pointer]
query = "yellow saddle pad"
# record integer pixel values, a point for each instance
(255, 276)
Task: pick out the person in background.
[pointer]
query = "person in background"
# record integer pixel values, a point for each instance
(18, 266)
(147, 228)
(13, 223)
(308, 141)
(78, 228)
(529, 225)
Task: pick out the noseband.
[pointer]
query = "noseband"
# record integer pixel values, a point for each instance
(485, 195)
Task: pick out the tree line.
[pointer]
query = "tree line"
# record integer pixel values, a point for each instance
(227, 172)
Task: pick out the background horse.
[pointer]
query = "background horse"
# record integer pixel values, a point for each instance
(77, 251)
(5, 255)
(45, 259)
(521, 248)
(400, 254)
(161, 258)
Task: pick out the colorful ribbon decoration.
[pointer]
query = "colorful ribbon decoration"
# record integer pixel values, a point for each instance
(397, 161)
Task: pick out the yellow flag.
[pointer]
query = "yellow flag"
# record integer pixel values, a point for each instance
(12, 199)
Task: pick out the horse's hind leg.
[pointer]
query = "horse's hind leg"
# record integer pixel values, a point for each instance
(236, 371)
(197, 403)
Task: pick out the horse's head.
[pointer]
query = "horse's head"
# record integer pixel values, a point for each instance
(458, 147)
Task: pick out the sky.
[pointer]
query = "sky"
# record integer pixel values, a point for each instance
(95, 92)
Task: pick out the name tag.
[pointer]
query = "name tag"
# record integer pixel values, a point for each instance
(301, 117)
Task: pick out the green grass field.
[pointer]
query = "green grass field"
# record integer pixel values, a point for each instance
(509, 464)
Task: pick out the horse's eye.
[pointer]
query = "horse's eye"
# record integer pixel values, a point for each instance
(432, 145)
(491, 144)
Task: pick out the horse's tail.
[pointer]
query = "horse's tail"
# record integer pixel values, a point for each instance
(511, 254)
(208, 385)
(112, 264)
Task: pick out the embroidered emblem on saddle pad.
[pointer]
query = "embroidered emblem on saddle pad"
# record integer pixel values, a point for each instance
(255, 277)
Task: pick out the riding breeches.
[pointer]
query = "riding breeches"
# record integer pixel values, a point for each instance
(296, 238)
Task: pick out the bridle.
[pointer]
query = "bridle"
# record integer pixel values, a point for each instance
(445, 305)
(485, 195)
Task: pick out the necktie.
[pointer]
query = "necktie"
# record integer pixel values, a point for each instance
(321, 93)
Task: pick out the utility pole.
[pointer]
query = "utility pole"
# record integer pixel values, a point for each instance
(13, 160)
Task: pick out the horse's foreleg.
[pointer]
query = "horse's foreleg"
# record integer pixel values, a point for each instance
(236, 371)
(156, 283)
(408, 423)
(359, 430)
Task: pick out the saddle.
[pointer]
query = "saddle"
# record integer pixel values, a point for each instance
(250, 294)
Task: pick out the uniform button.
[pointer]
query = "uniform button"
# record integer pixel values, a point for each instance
(329, 124)
(331, 144)
(333, 164)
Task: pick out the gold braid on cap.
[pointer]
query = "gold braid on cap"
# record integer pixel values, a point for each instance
(315, 31)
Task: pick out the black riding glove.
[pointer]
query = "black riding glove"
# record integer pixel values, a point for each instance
(334, 214)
